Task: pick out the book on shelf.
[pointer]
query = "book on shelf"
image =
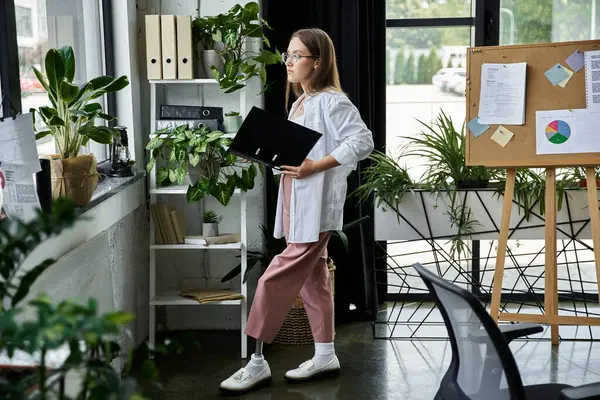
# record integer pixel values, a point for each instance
(209, 296)
(208, 240)
(169, 225)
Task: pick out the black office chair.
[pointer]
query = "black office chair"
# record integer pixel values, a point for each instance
(482, 365)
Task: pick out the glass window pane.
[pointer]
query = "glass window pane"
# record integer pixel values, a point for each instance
(55, 24)
(545, 21)
(426, 75)
(399, 9)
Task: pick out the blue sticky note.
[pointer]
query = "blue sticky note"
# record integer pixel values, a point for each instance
(556, 74)
(476, 128)
(576, 60)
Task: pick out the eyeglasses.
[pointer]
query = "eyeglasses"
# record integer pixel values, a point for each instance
(294, 57)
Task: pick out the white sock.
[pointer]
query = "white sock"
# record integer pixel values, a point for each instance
(255, 365)
(324, 353)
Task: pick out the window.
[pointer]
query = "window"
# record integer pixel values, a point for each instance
(24, 21)
(543, 21)
(52, 25)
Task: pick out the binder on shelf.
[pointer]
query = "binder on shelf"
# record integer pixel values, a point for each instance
(168, 46)
(153, 47)
(185, 57)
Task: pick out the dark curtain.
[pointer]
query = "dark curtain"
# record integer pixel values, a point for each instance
(357, 28)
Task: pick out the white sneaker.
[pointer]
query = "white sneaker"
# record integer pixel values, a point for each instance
(243, 381)
(307, 370)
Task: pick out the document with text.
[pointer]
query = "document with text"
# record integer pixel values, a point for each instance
(502, 95)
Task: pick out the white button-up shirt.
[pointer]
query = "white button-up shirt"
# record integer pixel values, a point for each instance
(317, 202)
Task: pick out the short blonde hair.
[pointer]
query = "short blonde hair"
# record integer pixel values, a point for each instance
(326, 76)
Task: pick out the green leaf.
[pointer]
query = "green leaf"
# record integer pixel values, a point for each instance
(215, 73)
(69, 60)
(55, 69)
(106, 117)
(101, 134)
(234, 88)
(47, 112)
(42, 80)
(83, 89)
(68, 91)
(119, 318)
(100, 82)
(194, 159)
(150, 165)
(28, 279)
(163, 174)
(55, 121)
(86, 128)
(195, 193)
(117, 84)
(173, 175)
(41, 134)
(155, 143)
(92, 107)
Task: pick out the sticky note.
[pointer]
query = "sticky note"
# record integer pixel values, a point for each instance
(567, 79)
(556, 74)
(476, 128)
(575, 60)
(502, 136)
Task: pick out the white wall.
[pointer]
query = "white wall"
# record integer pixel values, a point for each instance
(201, 269)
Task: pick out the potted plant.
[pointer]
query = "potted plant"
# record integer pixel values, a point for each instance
(71, 120)
(232, 121)
(203, 29)
(210, 223)
(229, 36)
(201, 153)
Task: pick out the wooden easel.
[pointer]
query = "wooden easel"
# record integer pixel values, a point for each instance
(550, 316)
(521, 152)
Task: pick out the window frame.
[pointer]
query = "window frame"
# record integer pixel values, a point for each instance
(486, 25)
(9, 62)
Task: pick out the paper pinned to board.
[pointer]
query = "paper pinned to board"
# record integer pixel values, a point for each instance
(17, 143)
(564, 82)
(502, 136)
(502, 94)
(575, 60)
(567, 131)
(592, 80)
(556, 74)
(476, 128)
(19, 192)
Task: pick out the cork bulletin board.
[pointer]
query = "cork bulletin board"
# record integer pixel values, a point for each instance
(520, 151)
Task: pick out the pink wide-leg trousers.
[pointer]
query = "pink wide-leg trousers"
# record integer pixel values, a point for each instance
(300, 268)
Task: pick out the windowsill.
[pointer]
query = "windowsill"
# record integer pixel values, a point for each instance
(110, 186)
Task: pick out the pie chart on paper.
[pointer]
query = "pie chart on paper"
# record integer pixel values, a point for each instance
(558, 132)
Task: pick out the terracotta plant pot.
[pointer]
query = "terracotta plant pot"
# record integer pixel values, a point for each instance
(74, 178)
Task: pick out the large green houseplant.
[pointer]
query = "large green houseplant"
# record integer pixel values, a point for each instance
(71, 118)
(228, 35)
(91, 338)
(202, 154)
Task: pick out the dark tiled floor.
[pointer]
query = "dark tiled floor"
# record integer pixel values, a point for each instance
(371, 368)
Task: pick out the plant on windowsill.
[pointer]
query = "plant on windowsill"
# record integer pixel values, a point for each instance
(203, 155)
(89, 339)
(210, 223)
(229, 35)
(71, 120)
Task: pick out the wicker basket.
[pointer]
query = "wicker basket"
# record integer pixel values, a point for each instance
(296, 328)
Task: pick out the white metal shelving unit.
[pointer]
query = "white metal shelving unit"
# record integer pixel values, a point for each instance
(173, 298)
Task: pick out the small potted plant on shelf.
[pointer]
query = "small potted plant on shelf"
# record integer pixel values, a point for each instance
(228, 34)
(202, 154)
(210, 223)
(71, 119)
(206, 55)
(232, 121)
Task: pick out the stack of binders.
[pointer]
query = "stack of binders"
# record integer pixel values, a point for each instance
(169, 51)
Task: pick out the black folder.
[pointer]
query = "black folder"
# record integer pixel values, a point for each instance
(272, 140)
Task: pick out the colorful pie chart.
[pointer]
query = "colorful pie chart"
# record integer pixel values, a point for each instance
(558, 132)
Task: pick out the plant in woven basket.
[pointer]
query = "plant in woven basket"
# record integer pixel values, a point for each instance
(71, 119)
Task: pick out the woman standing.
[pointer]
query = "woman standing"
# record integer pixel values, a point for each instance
(309, 207)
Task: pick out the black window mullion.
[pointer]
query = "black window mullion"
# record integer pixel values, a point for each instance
(109, 55)
(429, 22)
(9, 57)
(487, 22)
